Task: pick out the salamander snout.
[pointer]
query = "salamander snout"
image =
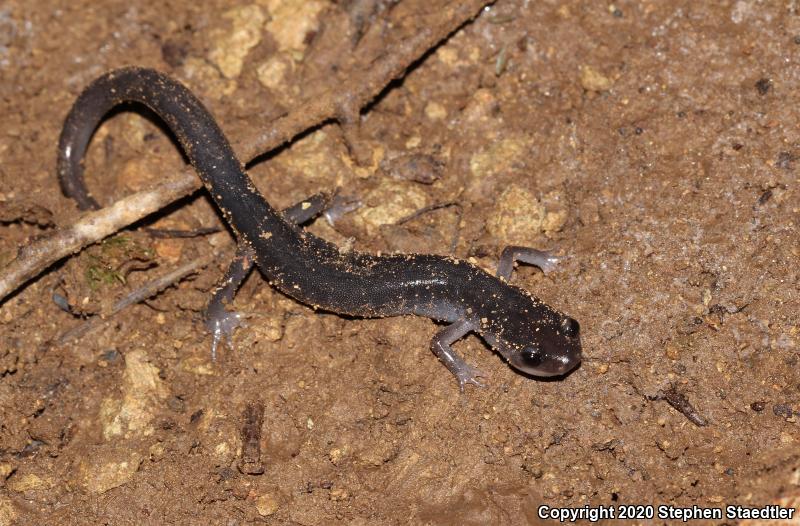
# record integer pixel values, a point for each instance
(555, 351)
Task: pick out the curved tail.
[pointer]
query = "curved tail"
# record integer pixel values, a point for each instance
(195, 128)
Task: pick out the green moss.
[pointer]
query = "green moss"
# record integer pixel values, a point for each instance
(100, 273)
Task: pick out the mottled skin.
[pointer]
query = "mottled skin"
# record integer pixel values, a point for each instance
(532, 336)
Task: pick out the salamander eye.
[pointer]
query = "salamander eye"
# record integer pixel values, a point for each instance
(569, 327)
(531, 356)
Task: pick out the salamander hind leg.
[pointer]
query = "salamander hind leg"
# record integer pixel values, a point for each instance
(221, 322)
(440, 345)
(544, 260)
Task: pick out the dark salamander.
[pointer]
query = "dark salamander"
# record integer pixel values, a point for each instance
(529, 334)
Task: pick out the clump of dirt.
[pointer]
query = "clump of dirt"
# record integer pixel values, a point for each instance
(654, 145)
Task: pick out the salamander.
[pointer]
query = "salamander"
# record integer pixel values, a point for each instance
(529, 334)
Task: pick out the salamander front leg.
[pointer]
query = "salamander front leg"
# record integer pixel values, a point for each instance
(332, 208)
(440, 345)
(539, 258)
(340, 206)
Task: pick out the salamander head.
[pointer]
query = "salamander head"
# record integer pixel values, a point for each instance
(545, 343)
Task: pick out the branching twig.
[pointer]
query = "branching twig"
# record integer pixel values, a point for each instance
(681, 404)
(91, 227)
(437, 206)
(149, 289)
(339, 106)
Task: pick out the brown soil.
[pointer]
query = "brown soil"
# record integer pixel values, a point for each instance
(655, 143)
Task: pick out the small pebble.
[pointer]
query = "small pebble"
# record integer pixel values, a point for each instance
(339, 494)
(266, 505)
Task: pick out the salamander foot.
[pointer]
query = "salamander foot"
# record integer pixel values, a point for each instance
(539, 258)
(468, 374)
(440, 345)
(221, 323)
(340, 206)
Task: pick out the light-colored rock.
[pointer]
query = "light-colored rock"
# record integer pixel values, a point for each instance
(339, 494)
(448, 55)
(29, 482)
(157, 451)
(269, 328)
(206, 79)
(107, 468)
(389, 202)
(169, 249)
(221, 434)
(435, 111)
(229, 47)
(518, 217)
(267, 504)
(142, 392)
(272, 72)
(290, 22)
(594, 80)
(337, 454)
(198, 364)
(223, 450)
(8, 512)
(554, 221)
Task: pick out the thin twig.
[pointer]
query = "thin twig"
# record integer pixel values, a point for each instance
(424, 210)
(681, 403)
(172, 233)
(438, 206)
(250, 460)
(339, 105)
(89, 228)
(149, 289)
